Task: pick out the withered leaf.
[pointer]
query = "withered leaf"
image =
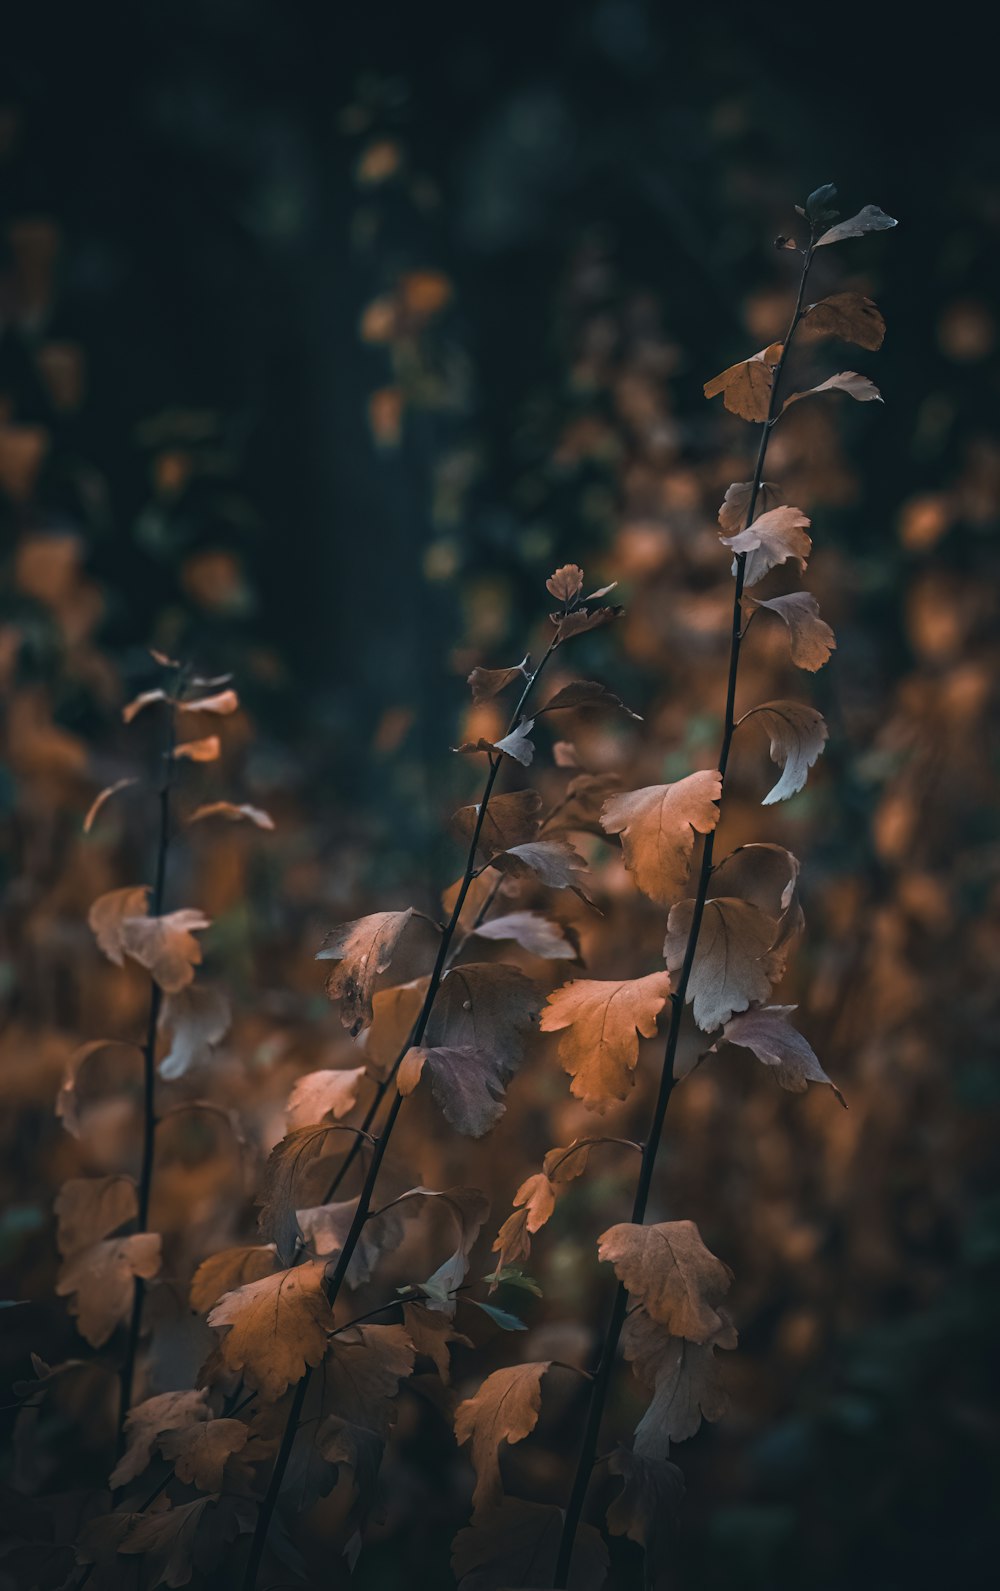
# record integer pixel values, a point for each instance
(468, 1084)
(432, 1334)
(228, 1270)
(797, 734)
(746, 386)
(601, 1022)
(168, 1411)
(197, 1018)
(736, 503)
(517, 1544)
(395, 1012)
(772, 539)
(585, 693)
(554, 862)
(167, 1542)
(682, 1378)
(222, 702)
(646, 1510)
(669, 1271)
(67, 1101)
(166, 946)
(582, 620)
(89, 1208)
(566, 584)
(100, 1281)
(204, 750)
(233, 814)
(199, 1452)
(768, 877)
(363, 1369)
(487, 1007)
(537, 1197)
(512, 1241)
(732, 966)
(510, 820)
(532, 932)
(767, 1031)
(870, 219)
(108, 913)
(812, 639)
(323, 1093)
(281, 1189)
(506, 1408)
(858, 387)
(99, 800)
(579, 810)
(489, 682)
(277, 1327)
(657, 825)
(852, 317)
(362, 949)
(133, 708)
(517, 744)
(469, 1210)
(566, 1164)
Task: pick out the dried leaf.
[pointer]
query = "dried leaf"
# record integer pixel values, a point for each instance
(512, 1241)
(746, 386)
(205, 750)
(325, 1228)
(233, 814)
(99, 800)
(138, 703)
(469, 1209)
(798, 734)
(468, 1084)
(583, 620)
(669, 1271)
(67, 1102)
(223, 703)
(363, 1369)
(812, 639)
(362, 949)
(850, 316)
(657, 825)
(601, 1022)
(554, 862)
(566, 584)
(89, 1208)
(517, 1544)
(228, 1270)
(167, 1542)
(108, 913)
(736, 503)
(732, 966)
(474, 1042)
(768, 1033)
(517, 744)
(100, 1280)
(169, 1411)
(510, 820)
(323, 1093)
(870, 219)
(682, 1378)
(395, 1011)
(432, 1334)
(277, 1327)
(505, 1409)
(197, 1018)
(532, 932)
(848, 381)
(199, 1452)
(772, 539)
(165, 946)
(647, 1509)
(585, 693)
(489, 682)
(281, 1191)
(565, 1165)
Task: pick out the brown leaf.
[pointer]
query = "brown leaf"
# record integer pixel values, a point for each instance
(362, 949)
(199, 1452)
(772, 539)
(682, 1378)
(222, 702)
(325, 1228)
(395, 1012)
(517, 1544)
(281, 1189)
(468, 1084)
(746, 387)
(100, 1280)
(767, 1032)
(233, 814)
(197, 1018)
(585, 693)
(277, 1327)
(165, 946)
(474, 1041)
(579, 810)
(324, 1093)
(99, 800)
(108, 913)
(469, 1209)
(532, 932)
(647, 1510)
(850, 316)
(566, 584)
(537, 1197)
(505, 1409)
(67, 1107)
(511, 1242)
(601, 1022)
(432, 1335)
(583, 620)
(510, 820)
(363, 1369)
(848, 381)
(736, 503)
(205, 750)
(565, 1165)
(657, 825)
(517, 744)
(138, 703)
(870, 219)
(489, 682)
(169, 1411)
(812, 640)
(732, 966)
(798, 734)
(228, 1270)
(89, 1208)
(554, 862)
(669, 1271)
(167, 1541)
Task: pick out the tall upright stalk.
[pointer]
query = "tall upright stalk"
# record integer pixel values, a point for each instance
(361, 1214)
(149, 1122)
(609, 1351)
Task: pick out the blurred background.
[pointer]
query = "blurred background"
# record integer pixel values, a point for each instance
(324, 336)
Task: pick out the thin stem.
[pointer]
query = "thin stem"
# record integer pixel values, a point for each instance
(609, 1350)
(333, 1285)
(149, 1083)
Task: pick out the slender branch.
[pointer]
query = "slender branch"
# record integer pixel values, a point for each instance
(334, 1283)
(149, 1081)
(609, 1350)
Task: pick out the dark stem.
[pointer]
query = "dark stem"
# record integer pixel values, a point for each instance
(149, 1084)
(609, 1350)
(335, 1282)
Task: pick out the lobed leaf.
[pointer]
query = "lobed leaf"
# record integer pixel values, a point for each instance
(767, 1032)
(812, 640)
(771, 540)
(669, 1271)
(798, 735)
(601, 1022)
(505, 1409)
(275, 1328)
(733, 966)
(657, 825)
(362, 949)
